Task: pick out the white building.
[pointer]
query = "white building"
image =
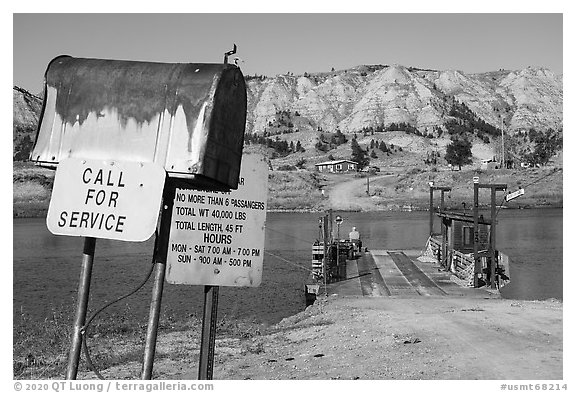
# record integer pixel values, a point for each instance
(337, 166)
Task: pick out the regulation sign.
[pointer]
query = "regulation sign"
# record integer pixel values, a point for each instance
(217, 238)
(106, 199)
(514, 194)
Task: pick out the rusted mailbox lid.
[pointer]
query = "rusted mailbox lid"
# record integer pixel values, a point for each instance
(188, 118)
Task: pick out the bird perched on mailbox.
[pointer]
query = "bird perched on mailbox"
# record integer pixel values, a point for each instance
(229, 53)
(237, 61)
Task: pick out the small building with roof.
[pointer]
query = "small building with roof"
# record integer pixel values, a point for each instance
(488, 164)
(337, 166)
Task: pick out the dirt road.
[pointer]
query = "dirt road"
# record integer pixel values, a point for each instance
(381, 338)
(420, 338)
(352, 195)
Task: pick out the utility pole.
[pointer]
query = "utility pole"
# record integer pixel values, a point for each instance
(368, 183)
(503, 160)
(501, 114)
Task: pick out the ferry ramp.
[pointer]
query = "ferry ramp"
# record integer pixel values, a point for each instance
(398, 273)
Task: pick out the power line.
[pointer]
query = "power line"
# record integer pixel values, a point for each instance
(529, 185)
(294, 237)
(287, 261)
(543, 177)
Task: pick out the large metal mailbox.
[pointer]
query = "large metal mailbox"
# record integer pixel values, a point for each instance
(188, 118)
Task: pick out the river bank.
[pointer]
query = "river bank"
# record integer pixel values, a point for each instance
(369, 339)
(309, 191)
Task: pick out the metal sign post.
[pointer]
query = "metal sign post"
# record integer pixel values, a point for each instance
(159, 259)
(208, 343)
(81, 307)
(107, 199)
(153, 321)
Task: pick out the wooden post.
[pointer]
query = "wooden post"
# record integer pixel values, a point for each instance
(431, 208)
(493, 239)
(325, 261)
(476, 240)
(443, 248)
(330, 228)
(81, 307)
(442, 199)
(492, 247)
(338, 257)
(443, 230)
(207, 346)
(447, 262)
(368, 183)
(160, 256)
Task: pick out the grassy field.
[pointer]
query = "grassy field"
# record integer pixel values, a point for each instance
(294, 190)
(40, 350)
(31, 186)
(301, 189)
(543, 188)
(294, 183)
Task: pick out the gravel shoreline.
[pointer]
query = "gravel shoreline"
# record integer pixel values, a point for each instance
(380, 338)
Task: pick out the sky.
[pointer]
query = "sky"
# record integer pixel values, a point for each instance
(276, 43)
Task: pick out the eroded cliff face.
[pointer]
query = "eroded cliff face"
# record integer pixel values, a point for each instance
(373, 95)
(26, 112)
(367, 96)
(26, 107)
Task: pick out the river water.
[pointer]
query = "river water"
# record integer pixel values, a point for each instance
(46, 267)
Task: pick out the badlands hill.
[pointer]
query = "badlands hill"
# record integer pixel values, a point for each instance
(368, 96)
(372, 96)
(26, 108)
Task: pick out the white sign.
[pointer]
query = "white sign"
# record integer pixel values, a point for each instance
(217, 238)
(514, 194)
(106, 199)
